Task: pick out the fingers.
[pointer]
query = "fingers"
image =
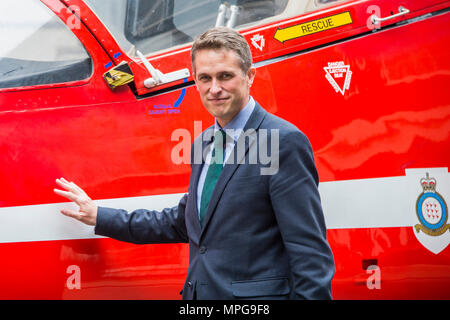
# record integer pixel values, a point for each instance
(78, 188)
(67, 185)
(73, 185)
(69, 195)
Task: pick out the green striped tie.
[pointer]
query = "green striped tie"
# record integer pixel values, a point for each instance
(214, 170)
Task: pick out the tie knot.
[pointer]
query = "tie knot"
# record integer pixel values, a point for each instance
(219, 146)
(219, 137)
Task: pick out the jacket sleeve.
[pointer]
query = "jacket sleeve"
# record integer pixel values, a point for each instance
(296, 203)
(143, 226)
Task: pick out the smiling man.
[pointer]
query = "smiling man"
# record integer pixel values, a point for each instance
(223, 80)
(250, 235)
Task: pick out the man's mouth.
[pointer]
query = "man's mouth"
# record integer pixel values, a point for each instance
(217, 99)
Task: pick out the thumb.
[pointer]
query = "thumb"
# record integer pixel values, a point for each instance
(71, 213)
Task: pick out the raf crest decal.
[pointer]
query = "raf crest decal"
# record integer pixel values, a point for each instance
(431, 209)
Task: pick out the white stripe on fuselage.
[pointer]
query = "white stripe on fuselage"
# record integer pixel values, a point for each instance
(362, 203)
(45, 222)
(378, 202)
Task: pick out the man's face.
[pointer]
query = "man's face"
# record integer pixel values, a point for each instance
(223, 86)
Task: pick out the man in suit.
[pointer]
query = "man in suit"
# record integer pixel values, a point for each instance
(254, 232)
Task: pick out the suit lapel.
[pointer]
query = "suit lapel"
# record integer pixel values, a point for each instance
(253, 122)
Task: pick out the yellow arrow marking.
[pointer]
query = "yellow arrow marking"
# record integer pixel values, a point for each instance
(313, 26)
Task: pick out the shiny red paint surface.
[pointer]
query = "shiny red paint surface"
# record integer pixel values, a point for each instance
(407, 269)
(395, 115)
(110, 269)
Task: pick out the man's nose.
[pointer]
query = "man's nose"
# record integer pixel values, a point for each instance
(215, 87)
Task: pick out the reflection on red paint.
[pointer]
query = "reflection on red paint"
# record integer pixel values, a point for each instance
(354, 144)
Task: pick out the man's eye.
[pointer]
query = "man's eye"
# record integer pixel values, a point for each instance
(226, 76)
(203, 78)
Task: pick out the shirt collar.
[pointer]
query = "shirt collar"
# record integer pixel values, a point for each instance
(235, 127)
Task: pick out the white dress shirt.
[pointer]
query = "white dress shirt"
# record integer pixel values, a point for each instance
(233, 129)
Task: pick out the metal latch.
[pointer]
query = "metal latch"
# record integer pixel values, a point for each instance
(158, 77)
(401, 11)
(118, 76)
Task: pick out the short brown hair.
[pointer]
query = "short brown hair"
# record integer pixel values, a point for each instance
(224, 38)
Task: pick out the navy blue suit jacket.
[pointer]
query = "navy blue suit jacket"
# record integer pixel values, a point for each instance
(264, 235)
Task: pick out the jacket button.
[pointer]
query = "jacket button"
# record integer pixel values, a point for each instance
(189, 284)
(202, 249)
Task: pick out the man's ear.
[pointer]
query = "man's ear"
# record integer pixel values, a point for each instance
(251, 75)
(194, 77)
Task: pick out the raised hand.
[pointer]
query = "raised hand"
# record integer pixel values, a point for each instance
(88, 209)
